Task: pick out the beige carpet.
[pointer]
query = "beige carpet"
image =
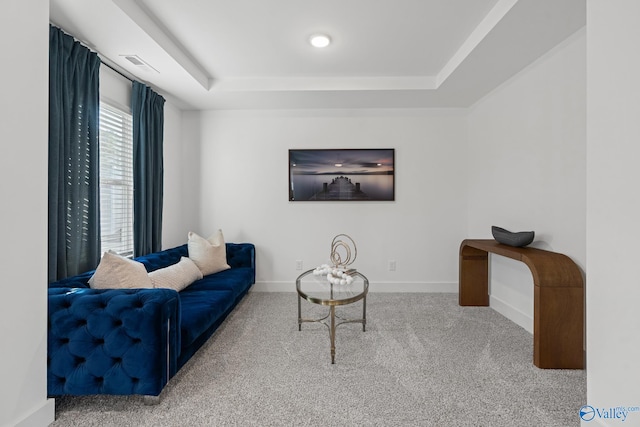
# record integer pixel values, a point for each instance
(423, 361)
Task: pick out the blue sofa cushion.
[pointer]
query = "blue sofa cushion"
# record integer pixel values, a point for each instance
(235, 280)
(79, 281)
(200, 309)
(157, 260)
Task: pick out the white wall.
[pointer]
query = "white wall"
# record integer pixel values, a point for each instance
(527, 145)
(23, 173)
(174, 227)
(115, 89)
(243, 182)
(190, 180)
(613, 206)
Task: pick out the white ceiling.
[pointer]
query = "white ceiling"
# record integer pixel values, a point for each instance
(229, 54)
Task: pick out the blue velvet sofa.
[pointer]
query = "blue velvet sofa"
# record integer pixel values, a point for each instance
(132, 341)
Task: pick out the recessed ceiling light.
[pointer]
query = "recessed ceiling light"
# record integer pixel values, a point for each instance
(320, 40)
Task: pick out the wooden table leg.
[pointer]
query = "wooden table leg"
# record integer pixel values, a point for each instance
(474, 277)
(558, 328)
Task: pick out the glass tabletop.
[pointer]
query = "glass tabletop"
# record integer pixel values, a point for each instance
(317, 289)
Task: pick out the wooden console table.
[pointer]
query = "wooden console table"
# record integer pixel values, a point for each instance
(558, 304)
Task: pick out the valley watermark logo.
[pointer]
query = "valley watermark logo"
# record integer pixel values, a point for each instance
(620, 413)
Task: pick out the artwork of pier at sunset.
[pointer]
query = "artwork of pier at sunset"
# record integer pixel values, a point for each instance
(341, 174)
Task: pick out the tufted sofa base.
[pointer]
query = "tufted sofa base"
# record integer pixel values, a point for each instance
(132, 341)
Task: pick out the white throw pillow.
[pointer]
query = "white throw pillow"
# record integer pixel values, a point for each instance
(210, 255)
(118, 272)
(177, 276)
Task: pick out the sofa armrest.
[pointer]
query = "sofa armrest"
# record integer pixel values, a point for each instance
(242, 255)
(112, 341)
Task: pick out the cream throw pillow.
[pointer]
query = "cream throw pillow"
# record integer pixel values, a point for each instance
(210, 255)
(118, 272)
(177, 276)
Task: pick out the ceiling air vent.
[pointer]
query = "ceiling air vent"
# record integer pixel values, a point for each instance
(139, 63)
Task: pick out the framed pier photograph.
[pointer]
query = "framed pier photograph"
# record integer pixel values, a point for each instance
(342, 174)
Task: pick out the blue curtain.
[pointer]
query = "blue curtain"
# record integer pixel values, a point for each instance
(147, 109)
(74, 199)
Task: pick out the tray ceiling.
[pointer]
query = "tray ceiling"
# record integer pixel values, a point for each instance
(220, 54)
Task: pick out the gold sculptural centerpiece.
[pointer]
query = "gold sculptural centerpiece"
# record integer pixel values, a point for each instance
(343, 254)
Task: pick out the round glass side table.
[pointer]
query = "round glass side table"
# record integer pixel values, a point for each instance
(317, 290)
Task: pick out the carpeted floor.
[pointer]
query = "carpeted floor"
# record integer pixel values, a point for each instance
(423, 361)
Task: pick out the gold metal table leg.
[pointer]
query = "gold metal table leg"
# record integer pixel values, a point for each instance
(364, 313)
(299, 314)
(332, 332)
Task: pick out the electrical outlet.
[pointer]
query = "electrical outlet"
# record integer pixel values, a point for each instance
(299, 264)
(392, 265)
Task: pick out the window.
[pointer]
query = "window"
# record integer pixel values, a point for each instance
(116, 180)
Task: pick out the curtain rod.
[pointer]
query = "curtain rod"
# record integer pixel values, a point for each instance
(114, 69)
(85, 44)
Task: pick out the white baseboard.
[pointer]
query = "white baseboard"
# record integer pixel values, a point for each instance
(417, 287)
(512, 313)
(404, 287)
(41, 416)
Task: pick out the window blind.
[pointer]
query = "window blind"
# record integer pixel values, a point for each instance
(116, 180)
